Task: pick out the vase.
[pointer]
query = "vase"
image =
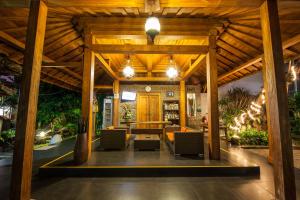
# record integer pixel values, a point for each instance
(80, 149)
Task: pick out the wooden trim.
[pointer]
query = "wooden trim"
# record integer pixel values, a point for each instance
(27, 108)
(149, 49)
(277, 109)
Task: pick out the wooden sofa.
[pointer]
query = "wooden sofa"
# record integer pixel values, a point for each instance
(114, 139)
(184, 141)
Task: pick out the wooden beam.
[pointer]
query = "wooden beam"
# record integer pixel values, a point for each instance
(88, 93)
(29, 89)
(286, 44)
(63, 64)
(148, 79)
(182, 106)
(212, 100)
(140, 3)
(116, 114)
(152, 6)
(129, 26)
(194, 67)
(107, 67)
(150, 49)
(276, 93)
(11, 41)
(105, 87)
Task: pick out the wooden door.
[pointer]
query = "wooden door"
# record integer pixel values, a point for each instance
(154, 109)
(148, 109)
(142, 110)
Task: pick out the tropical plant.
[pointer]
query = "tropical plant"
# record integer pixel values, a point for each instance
(234, 103)
(252, 136)
(294, 113)
(58, 108)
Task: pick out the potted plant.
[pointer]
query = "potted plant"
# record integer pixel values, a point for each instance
(80, 150)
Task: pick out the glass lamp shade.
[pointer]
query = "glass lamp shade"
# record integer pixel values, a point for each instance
(152, 27)
(128, 72)
(172, 72)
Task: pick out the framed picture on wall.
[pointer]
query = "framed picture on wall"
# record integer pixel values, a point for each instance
(170, 94)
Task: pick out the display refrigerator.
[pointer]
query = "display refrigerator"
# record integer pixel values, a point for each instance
(107, 112)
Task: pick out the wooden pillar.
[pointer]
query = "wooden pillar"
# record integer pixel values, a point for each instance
(88, 91)
(212, 99)
(27, 107)
(270, 156)
(182, 103)
(276, 96)
(116, 114)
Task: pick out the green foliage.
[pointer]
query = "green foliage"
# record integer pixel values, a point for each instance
(10, 101)
(234, 103)
(294, 113)
(7, 137)
(253, 137)
(58, 108)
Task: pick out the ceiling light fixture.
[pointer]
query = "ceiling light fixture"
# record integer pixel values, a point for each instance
(128, 71)
(172, 72)
(152, 27)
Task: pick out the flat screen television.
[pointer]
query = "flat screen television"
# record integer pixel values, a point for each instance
(128, 96)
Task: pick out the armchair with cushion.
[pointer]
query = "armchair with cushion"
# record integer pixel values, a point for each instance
(185, 141)
(114, 139)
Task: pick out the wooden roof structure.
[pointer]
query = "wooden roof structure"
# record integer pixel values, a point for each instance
(230, 35)
(121, 23)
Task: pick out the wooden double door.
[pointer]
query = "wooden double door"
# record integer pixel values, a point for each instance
(148, 109)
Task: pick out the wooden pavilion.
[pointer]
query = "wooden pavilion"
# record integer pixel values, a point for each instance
(82, 45)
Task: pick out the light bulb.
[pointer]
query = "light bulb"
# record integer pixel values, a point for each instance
(172, 72)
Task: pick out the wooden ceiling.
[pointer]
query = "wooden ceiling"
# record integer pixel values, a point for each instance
(116, 22)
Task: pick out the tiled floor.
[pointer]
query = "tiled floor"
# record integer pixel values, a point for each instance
(162, 157)
(219, 188)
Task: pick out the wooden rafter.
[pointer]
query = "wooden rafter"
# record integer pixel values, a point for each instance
(63, 64)
(288, 43)
(21, 46)
(194, 67)
(107, 68)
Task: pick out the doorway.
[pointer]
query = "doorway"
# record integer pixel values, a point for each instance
(148, 109)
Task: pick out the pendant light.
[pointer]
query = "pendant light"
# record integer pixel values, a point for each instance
(152, 27)
(128, 71)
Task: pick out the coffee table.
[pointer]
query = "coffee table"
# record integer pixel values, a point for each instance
(146, 142)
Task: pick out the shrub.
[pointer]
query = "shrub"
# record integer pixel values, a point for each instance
(253, 137)
(234, 103)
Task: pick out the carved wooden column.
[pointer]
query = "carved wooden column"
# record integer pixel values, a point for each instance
(277, 109)
(27, 107)
(88, 90)
(116, 113)
(212, 99)
(182, 104)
